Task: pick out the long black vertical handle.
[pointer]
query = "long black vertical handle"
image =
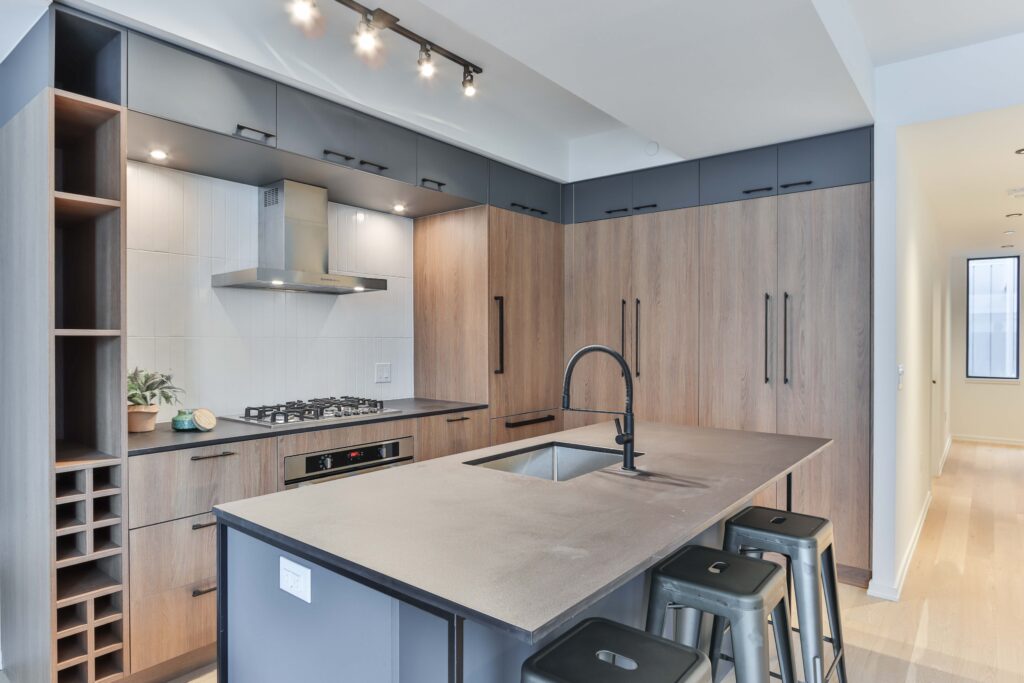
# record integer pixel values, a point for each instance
(767, 302)
(636, 340)
(785, 338)
(622, 331)
(501, 335)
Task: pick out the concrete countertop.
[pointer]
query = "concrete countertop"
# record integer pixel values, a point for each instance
(516, 552)
(227, 431)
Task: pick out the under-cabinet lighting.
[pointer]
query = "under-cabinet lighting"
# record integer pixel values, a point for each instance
(399, 208)
(357, 288)
(158, 155)
(277, 283)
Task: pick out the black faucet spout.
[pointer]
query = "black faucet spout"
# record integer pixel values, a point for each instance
(626, 432)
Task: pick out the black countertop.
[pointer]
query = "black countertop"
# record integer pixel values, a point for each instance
(226, 431)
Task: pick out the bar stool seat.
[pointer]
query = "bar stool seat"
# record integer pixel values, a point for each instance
(602, 651)
(807, 543)
(742, 590)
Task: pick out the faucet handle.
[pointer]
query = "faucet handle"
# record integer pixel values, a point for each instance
(618, 427)
(621, 439)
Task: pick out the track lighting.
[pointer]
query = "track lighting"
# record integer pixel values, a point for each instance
(366, 37)
(425, 63)
(468, 88)
(303, 12)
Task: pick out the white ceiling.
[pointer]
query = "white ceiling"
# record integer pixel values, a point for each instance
(963, 168)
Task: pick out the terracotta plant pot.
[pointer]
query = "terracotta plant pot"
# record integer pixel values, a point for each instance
(142, 418)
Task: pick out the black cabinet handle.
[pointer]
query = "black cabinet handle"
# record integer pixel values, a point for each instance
(223, 454)
(197, 526)
(786, 186)
(767, 302)
(439, 184)
(527, 423)
(612, 211)
(380, 168)
(542, 212)
(241, 128)
(457, 419)
(203, 591)
(758, 189)
(517, 205)
(645, 206)
(785, 338)
(501, 335)
(636, 340)
(331, 153)
(622, 332)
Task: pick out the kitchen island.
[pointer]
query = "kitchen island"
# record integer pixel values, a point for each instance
(450, 571)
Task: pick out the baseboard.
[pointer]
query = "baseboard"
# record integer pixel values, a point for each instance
(877, 589)
(945, 454)
(999, 441)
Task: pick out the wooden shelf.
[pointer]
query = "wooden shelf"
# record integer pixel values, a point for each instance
(76, 207)
(84, 112)
(72, 650)
(71, 619)
(107, 608)
(88, 579)
(87, 333)
(73, 456)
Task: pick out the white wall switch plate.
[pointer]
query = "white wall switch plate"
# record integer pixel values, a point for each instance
(297, 580)
(382, 373)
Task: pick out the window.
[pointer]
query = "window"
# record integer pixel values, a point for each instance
(993, 301)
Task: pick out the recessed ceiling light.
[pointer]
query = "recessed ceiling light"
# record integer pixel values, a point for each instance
(303, 12)
(359, 288)
(158, 155)
(277, 283)
(399, 208)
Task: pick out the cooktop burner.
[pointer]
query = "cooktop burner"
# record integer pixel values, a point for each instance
(313, 410)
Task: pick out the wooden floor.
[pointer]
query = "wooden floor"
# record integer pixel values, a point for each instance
(961, 616)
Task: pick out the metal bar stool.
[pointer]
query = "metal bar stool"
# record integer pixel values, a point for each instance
(602, 651)
(742, 590)
(807, 544)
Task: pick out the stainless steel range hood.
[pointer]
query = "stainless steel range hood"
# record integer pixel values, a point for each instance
(293, 246)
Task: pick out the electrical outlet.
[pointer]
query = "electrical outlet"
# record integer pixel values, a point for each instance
(296, 580)
(383, 373)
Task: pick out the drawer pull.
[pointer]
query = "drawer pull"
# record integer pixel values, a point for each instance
(613, 211)
(786, 186)
(458, 419)
(440, 185)
(645, 206)
(522, 207)
(331, 153)
(380, 167)
(527, 423)
(241, 128)
(223, 454)
(203, 591)
(758, 189)
(542, 212)
(197, 526)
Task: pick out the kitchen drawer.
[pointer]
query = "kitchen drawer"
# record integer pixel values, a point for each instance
(441, 435)
(749, 174)
(320, 129)
(173, 609)
(825, 161)
(174, 84)
(525, 426)
(451, 170)
(666, 188)
(600, 198)
(176, 484)
(519, 191)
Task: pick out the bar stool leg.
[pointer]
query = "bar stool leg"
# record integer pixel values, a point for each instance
(829, 581)
(657, 604)
(806, 570)
(783, 641)
(715, 647)
(686, 628)
(751, 653)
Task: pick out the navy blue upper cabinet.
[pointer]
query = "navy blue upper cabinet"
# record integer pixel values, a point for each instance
(825, 161)
(664, 188)
(451, 170)
(316, 128)
(600, 198)
(741, 175)
(519, 191)
(181, 86)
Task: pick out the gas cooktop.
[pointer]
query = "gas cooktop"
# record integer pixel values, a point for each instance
(318, 410)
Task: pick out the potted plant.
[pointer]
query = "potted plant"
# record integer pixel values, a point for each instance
(146, 391)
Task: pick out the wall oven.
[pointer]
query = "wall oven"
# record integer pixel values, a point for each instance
(315, 468)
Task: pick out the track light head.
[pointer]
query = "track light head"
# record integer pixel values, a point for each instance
(468, 87)
(426, 63)
(366, 38)
(303, 12)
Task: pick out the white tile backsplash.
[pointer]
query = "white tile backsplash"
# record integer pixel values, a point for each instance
(229, 348)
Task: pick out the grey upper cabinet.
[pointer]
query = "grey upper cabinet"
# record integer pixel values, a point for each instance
(451, 170)
(741, 175)
(600, 198)
(825, 161)
(519, 191)
(665, 188)
(181, 86)
(316, 128)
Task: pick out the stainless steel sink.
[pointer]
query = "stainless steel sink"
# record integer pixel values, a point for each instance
(552, 461)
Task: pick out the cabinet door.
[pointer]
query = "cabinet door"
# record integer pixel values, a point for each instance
(825, 161)
(602, 198)
(181, 86)
(522, 192)
(749, 174)
(666, 297)
(441, 435)
(451, 170)
(598, 267)
(676, 186)
(825, 390)
(384, 149)
(526, 265)
(738, 263)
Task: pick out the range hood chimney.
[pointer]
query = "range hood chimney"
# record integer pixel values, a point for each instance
(293, 246)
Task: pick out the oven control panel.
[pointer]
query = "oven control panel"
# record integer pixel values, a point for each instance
(305, 468)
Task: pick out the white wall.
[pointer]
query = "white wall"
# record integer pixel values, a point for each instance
(229, 348)
(953, 83)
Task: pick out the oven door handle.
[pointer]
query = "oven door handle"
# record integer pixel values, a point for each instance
(380, 465)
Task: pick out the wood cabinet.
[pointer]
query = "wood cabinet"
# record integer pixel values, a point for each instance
(488, 309)
(441, 435)
(526, 426)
